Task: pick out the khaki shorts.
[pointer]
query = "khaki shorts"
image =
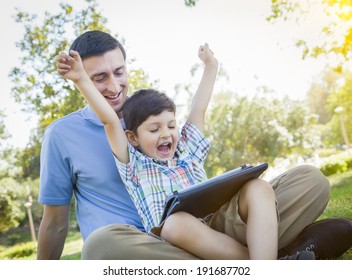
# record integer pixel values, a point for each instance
(302, 194)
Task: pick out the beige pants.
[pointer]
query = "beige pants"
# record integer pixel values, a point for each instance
(302, 194)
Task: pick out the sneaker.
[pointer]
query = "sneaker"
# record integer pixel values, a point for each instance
(300, 255)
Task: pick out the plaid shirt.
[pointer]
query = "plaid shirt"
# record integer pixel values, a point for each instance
(149, 181)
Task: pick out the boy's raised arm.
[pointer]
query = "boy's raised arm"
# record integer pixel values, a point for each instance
(202, 96)
(72, 68)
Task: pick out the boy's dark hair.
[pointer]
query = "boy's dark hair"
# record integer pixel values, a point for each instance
(95, 43)
(143, 104)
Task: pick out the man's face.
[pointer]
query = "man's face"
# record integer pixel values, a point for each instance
(109, 75)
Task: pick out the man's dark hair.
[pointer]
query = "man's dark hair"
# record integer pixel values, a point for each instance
(95, 43)
(143, 104)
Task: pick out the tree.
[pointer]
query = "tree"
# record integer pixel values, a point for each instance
(340, 97)
(336, 43)
(190, 3)
(37, 86)
(3, 133)
(6, 151)
(244, 130)
(337, 33)
(317, 96)
(10, 211)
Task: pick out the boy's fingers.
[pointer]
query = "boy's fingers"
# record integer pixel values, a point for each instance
(64, 55)
(75, 55)
(62, 72)
(63, 66)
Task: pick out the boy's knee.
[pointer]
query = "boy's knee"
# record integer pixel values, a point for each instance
(256, 187)
(173, 228)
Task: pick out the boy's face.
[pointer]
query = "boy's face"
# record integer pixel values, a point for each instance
(157, 136)
(109, 75)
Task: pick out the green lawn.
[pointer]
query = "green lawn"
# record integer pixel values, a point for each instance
(339, 206)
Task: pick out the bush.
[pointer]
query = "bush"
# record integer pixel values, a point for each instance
(10, 211)
(337, 164)
(21, 250)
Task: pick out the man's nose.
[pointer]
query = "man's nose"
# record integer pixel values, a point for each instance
(114, 86)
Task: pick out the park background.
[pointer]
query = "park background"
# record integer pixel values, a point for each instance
(283, 93)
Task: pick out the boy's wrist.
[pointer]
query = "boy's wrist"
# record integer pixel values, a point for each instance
(211, 63)
(83, 79)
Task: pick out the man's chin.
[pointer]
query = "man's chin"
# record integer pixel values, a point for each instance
(117, 108)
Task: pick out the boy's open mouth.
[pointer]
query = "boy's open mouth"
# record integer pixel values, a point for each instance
(165, 147)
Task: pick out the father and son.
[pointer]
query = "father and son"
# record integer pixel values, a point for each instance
(121, 156)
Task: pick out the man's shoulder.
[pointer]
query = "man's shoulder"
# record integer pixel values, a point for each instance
(70, 120)
(69, 124)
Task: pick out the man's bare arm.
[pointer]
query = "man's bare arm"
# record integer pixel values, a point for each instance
(52, 232)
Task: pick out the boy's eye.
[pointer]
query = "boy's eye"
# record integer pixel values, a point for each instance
(153, 130)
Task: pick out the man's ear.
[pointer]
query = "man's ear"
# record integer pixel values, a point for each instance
(132, 138)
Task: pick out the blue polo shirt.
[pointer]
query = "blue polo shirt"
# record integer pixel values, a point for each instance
(76, 159)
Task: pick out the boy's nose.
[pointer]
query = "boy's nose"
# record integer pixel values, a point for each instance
(165, 133)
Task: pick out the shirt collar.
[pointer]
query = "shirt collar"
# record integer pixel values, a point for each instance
(89, 115)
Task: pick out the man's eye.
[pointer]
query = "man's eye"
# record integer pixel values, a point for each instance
(99, 78)
(119, 73)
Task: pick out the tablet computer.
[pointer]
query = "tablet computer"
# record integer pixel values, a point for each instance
(207, 197)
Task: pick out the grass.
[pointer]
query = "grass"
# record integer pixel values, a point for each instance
(339, 206)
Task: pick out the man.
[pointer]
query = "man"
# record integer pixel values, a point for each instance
(76, 159)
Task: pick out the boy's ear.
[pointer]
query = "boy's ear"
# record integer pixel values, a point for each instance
(132, 138)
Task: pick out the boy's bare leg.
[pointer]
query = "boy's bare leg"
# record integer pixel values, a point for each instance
(257, 209)
(187, 232)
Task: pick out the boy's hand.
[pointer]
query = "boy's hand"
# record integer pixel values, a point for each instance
(70, 67)
(206, 55)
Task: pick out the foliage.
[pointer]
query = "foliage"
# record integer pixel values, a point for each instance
(5, 150)
(190, 3)
(26, 191)
(37, 86)
(341, 97)
(19, 251)
(318, 94)
(244, 130)
(3, 134)
(10, 212)
(28, 159)
(337, 33)
(336, 164)
(336, 44)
